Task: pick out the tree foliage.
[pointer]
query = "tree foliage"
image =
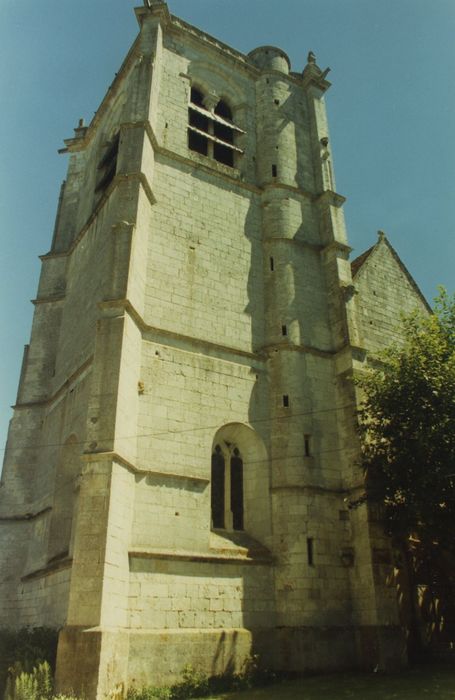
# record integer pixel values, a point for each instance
(407, 424)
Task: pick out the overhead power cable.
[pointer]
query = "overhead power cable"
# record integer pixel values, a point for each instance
(252, 422)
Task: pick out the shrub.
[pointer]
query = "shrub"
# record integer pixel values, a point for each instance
(24, 649)
(196, 684)
(36, 685)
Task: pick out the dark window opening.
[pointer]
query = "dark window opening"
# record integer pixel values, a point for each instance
(223, 132)
(198, 143)
(307, 446)
(274, 171)
(198, 120)
(310, 550)
(277, 102)
(107, 166)
(197, 98)
(110, 153)
(223, 154)
(272, 267)
(284, 330)
(217, 496)
(237, 490)
(223, 110)
(285, 400)
(220, 141)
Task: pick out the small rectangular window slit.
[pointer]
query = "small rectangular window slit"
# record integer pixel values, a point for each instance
(310, 551)
(307, 445)
(272, 264)
(274, 171)
(284, 330)
(285, 400)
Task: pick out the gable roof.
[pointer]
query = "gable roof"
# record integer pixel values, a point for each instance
(358, 263)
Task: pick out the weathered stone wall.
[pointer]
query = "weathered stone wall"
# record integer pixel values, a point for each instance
(179, 594)
(32, 528)
(39, 482)
(188, 305)
(205, 262)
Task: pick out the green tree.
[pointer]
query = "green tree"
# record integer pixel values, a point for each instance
(407, 424)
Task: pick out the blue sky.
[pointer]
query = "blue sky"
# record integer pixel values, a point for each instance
(391, 110)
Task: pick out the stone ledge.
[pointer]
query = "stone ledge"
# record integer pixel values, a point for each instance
(51, 567)
(48, 400)
(49, 300)
(94, 456)
(172, 339)
(25, 516)
(201, 557)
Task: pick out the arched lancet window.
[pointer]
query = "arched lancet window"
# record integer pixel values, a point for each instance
(218, 488)
(224, 132)
(198, 124)
(237, 490)
(227, 488)
(211, 132)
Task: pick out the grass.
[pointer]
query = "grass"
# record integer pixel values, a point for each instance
(425, 683)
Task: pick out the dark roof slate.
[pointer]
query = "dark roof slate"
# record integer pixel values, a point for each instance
(358, 262)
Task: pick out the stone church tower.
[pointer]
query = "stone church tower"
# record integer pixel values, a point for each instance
(183, 448)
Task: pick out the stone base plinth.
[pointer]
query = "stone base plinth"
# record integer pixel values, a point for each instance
(94, 662)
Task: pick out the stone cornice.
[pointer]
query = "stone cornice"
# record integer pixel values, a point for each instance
(315, 81)
(289, 188)
(201, 557)
(192, 344)
(25, 516)
(330, 197)
(50, 568)
(178, 26)
(95, 456)
(287, 346)
(60, 391)
(337, 246)
(316, 247)
(54, 298)
(322, 490)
